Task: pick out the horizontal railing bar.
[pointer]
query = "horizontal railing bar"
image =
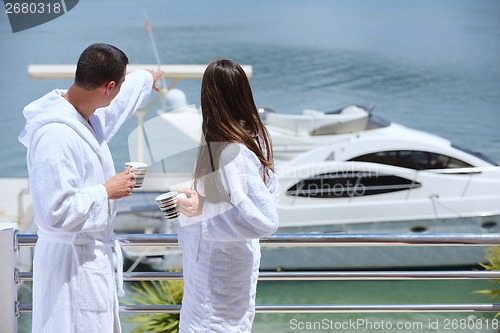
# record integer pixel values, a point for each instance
(125, 239)
(152, 276)
(320, 276)
(147, 239)
(380, 239)
(371, 308)
(379, 275)
(315, 239)
(318, 308)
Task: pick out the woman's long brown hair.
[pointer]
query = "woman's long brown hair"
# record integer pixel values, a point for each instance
(229, 116)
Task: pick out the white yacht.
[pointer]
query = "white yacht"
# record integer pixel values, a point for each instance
(377, 171)
(350, 171)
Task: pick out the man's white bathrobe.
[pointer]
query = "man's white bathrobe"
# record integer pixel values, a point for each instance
(221, 250)
(68, 163)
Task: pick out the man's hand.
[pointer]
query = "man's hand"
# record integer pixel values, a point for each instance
(191, 205)
(120, 185)
(156, 77)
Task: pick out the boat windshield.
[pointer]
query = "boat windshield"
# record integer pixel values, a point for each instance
(374, 121)
(478, 155)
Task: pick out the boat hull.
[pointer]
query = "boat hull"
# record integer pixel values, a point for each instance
(384, 256)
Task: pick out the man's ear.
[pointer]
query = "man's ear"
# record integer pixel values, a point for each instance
(110, 86)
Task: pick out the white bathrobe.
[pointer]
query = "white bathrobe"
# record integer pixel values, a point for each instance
(68, 163)
(221, 250)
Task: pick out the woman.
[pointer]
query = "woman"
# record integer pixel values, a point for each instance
(235, 179)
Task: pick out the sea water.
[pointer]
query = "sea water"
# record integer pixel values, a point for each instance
(430, 65)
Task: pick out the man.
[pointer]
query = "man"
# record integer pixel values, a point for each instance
(74, 187)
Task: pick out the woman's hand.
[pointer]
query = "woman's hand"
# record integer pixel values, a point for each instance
(192, 204)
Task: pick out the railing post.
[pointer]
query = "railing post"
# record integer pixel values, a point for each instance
(8, 259)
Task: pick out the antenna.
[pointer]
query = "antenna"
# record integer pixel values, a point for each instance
(155, 51)
(141, 132)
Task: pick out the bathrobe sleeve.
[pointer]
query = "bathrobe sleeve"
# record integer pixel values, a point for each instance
(61, 185)
(133, 95)
(252, 211)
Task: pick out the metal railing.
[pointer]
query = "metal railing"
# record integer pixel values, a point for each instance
(11, 240)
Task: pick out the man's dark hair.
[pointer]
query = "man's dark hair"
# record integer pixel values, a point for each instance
(100, 63)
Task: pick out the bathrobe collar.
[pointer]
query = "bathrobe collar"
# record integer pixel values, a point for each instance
(60, 111)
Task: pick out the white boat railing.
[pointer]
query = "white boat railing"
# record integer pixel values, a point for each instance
(10, 276)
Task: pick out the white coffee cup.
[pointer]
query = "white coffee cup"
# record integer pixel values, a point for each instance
(167, 202)
(139, 170)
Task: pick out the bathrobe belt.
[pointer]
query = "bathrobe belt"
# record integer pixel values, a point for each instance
(74, 241)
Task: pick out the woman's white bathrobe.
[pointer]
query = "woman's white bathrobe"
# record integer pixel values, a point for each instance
(221, 250)
(68, 163)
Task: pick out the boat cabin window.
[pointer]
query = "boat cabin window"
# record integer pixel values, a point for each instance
(413, 159)
(350, 184)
